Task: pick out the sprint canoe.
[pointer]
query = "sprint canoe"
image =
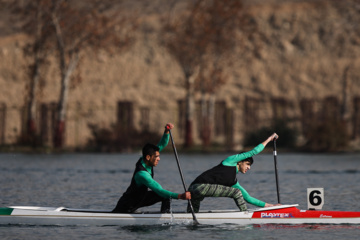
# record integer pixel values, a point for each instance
(284, 214)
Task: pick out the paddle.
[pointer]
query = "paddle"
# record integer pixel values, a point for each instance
(182, 177)
(276, 171)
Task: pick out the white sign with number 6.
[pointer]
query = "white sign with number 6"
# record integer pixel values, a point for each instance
(315, 198)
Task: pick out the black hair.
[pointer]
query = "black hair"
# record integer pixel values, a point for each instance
(250, 159)
(149, 149)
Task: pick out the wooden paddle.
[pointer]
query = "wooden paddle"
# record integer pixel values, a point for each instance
(181, 175)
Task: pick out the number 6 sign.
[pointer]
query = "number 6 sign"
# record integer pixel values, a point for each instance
(315, 198)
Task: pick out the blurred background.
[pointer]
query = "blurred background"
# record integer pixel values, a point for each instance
(108, 75)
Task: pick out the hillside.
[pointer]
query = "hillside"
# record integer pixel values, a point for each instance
(304, 50)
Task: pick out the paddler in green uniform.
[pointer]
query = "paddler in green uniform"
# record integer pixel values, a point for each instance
(138, 195)
(221, 181)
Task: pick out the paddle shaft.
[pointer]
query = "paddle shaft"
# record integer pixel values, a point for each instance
(276, 171)
(182, 176)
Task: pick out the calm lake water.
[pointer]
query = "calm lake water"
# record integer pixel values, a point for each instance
(97, 181)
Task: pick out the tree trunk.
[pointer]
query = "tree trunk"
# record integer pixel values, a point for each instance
(35, 77)
(346, 86)
(205, 127)
(61, 116)
(190, 107)
(66, 72)
(211, 116)
(31, 124)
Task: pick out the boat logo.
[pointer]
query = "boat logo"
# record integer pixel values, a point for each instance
(325, 216)
(276, 215)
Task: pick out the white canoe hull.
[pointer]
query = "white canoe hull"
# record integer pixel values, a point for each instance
(284, 214)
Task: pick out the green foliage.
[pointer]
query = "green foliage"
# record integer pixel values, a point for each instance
(287, 135)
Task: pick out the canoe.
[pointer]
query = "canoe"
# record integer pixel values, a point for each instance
(283, 214)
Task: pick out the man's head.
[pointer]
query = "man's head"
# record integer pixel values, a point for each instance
(151, 154)
(245, 165)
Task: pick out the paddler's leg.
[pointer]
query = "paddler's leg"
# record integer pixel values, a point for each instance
(123, 206)
(151, 198)
(225, 191)
(239, 200)
(199, 191)
(165, 206)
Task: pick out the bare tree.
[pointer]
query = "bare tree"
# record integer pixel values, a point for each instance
(70, 29)
(182, 39)
(202, 39)
(34, 22)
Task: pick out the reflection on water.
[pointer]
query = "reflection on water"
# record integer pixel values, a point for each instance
(310, 226)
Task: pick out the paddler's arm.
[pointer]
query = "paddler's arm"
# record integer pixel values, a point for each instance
(269, 139)
(144, 178)
(249, 198)
(233, 160)
(165, 138)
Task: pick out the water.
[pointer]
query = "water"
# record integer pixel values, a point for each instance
(97, 181)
